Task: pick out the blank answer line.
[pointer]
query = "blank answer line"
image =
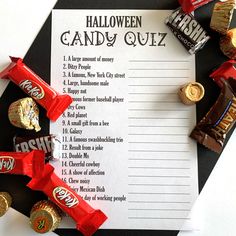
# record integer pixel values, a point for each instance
(160, 142)
(134, 69)
(158, 151)
(152, 126)
(141, 60)
(160, 176)
(156, 101)
(140, 109)
(160, 193)
(161, 118)
(170, 185)
(160, 168)
(156, 159)
(156, 209)
(158, 77)
(171, 134)
(151, 93)
(153, 85)
(157, 218)
(159, 202)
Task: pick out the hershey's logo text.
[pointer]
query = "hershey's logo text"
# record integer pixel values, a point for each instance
(188, 26)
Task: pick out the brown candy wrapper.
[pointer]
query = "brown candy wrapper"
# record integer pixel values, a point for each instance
(5, 202)
(24, 114)
(222, 16)
(212, 130)
(228, 44)
(50, 144)
(44, 217)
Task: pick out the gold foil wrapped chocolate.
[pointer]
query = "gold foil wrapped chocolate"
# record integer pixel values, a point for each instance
(24, 113)
(228, 44)
(222, 16)
(5, 202)
(44, 217)
(191, 93)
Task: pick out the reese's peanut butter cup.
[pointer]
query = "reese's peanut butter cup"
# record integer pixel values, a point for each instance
(228, 44)
(187, 30)
(24, 114)
(212, 130)
(222, 16)
(5, 202)
(44, 217)
(191, 93)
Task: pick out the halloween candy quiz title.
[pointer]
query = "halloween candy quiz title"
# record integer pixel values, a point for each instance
(94, 35)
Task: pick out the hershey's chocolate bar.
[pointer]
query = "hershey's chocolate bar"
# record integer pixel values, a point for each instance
(187, 30)
(50, 144)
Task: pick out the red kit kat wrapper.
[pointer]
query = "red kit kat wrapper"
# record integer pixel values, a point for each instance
(191, 5)
(225, 71)
(34, 86)
(22, 163)
(87, 219)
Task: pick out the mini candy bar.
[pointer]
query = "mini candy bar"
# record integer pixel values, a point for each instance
(22, 163)
(5, 202)
(44, 217)
(225, 71)
(228, 44)
(50, 144)
(190, 5)
(24, 114)
(191, 93)
(88, 220)
(211, 131)
(222, 16)
(187, 30)
(34, 86)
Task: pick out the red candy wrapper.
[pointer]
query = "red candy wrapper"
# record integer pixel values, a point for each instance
(34, 86)
(225, 71)
(88, 219)
(22, 163)
(190, 5)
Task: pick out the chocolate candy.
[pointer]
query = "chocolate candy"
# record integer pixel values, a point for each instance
(24, 114)
(39, 90)
(50, 144)
(225, 71)
(190, 5)
(22, 163)
(5, 202)
(212, 130)
(187, 30)
(191, 93)
(87, 219)
(228, 44)
(44, 217)
(222, 16)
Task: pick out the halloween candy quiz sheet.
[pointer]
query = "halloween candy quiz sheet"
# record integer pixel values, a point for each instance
(126, 148)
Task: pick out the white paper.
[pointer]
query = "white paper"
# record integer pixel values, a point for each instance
(143, 173)
(20, 21)
(214, 211)
(15, 223)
